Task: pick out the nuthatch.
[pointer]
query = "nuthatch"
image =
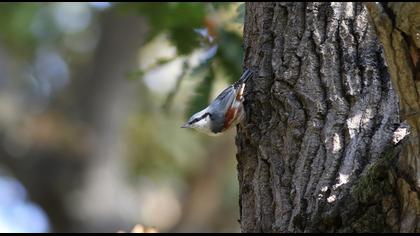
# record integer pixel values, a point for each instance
(224, 112)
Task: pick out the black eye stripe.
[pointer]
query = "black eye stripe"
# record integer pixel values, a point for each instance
(199, 118)
(193, 121)
(205, 114)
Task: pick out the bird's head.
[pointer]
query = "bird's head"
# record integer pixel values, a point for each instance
(200, 121)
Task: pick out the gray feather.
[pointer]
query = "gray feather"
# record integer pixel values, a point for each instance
(221, 103)
(219, 107)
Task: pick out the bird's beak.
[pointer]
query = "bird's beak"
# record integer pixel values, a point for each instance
(186, 125)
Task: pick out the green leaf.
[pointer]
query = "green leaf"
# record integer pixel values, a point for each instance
(230, 54)
(184, 39)
(15, 23)
(202, 93)
(178, 19)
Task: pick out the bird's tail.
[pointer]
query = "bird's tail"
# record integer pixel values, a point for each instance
(245, 76)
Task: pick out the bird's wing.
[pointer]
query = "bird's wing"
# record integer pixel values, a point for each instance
(225, 105)
(219, 107)
(244, 77)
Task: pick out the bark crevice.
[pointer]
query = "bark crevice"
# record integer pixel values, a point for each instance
(316, 152)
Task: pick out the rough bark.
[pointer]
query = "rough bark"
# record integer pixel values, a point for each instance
(398, 28)
(319, 146)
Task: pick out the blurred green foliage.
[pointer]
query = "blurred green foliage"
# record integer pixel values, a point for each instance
(180, 21)
(230, 54)
(202, 93)
(177, 19)
(240, 18)
(24, 29)
(154, 144)
(15, 24)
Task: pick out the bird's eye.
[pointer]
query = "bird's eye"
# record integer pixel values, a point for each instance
(193, 121)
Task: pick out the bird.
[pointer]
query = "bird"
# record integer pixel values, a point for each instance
(224, 112)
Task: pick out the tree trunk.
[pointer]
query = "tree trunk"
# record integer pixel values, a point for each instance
(398, 28)
(322, 136)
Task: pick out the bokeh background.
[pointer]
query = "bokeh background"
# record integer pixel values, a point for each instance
(92, 97)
